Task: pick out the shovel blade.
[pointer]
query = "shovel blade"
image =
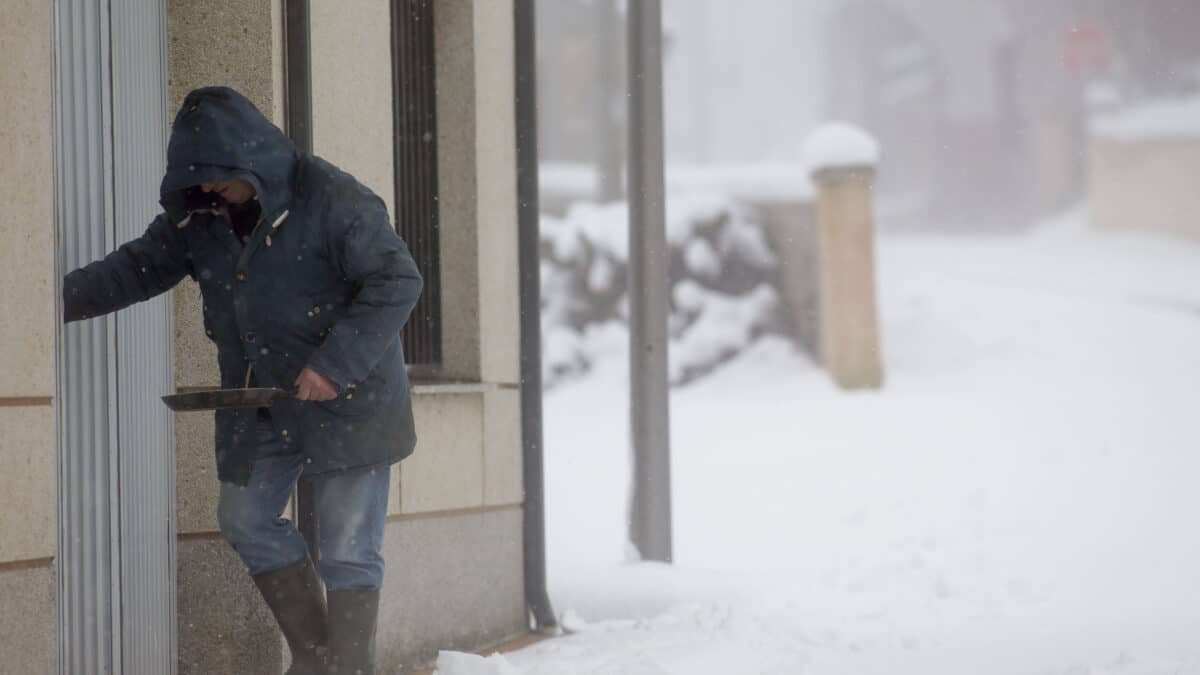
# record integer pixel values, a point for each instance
(217, 399)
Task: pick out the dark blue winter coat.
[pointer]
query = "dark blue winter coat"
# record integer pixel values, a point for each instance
(324, 282)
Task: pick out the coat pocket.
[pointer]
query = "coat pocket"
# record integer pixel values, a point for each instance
(367, 398)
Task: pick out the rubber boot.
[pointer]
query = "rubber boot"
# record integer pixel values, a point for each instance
(294, 596)
(352, 618)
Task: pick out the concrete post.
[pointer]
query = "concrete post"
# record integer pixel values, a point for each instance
(842, 159)
(846, 232)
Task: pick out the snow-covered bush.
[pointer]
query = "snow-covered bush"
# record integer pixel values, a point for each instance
(722, 272)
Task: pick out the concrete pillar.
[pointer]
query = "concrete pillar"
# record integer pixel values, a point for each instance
(224, 626)
(356, 137)
(28, 545)
(477, 185)
(846, 232)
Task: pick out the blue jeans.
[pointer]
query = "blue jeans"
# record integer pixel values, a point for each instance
(351, 513)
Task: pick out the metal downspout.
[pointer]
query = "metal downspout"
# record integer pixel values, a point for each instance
(537, 600)
(297, 36)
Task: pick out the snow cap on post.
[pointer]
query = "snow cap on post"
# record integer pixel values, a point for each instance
(840, 146)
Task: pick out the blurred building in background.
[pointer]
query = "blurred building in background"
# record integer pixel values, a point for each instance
(992, 115)
(983, 108)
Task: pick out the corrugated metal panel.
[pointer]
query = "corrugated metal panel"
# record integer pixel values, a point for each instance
(146, 432)
(87, 432)
(116, 562)
(415, 127)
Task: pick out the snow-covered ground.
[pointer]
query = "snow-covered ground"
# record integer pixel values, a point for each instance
(1021, 498)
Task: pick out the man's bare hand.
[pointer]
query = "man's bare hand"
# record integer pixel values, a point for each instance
(312, 386)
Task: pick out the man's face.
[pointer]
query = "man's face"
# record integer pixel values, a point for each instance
(234, 191)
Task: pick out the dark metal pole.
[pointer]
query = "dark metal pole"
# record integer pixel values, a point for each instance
(650, 509)
(610, 89)
(298, 60)
(536, 598)
(298, 69)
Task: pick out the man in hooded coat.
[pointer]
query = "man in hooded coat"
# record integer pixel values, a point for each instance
(306, 286)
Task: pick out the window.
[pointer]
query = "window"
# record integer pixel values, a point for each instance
(415, 139)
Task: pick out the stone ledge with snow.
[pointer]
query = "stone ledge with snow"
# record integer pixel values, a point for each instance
(1161, 120)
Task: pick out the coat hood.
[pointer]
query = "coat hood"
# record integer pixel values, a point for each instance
(218, 135)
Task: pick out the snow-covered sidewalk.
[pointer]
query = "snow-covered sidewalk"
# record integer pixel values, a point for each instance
(1020, 498)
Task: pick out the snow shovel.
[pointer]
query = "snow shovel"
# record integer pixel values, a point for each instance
(216, 399)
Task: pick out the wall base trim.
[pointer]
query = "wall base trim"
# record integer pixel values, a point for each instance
(30, 564)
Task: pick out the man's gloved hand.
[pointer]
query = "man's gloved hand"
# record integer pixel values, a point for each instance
(313, 386)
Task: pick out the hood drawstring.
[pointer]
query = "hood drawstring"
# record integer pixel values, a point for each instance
(275, 226)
